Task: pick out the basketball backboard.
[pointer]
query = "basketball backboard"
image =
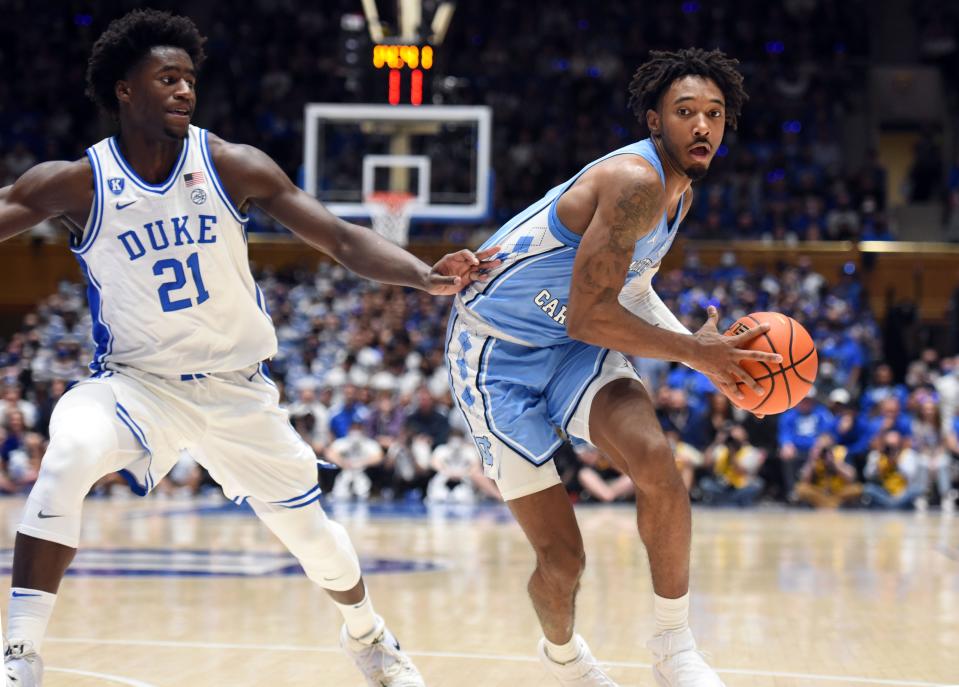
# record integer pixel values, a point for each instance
(439, 154)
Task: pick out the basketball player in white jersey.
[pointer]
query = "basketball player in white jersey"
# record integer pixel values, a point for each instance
(538, 351)
(158, 217)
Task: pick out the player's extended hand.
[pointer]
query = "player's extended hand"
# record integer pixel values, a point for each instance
(455, 271)
(718, 356)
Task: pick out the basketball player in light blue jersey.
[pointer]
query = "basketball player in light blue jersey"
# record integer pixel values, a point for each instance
(158, 217)
(539, 351)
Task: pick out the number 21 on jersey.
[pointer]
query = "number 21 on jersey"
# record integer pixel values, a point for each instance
(167, 291)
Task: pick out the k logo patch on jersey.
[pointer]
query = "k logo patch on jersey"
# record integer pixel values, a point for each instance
(198, 196)
(116, 185)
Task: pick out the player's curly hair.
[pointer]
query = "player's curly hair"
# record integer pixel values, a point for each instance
(127, 40)
(654, 77)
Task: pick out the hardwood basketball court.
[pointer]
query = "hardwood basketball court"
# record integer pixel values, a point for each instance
(197, 593)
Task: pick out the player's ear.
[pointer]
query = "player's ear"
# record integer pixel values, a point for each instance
(122, 91)
(652, 122)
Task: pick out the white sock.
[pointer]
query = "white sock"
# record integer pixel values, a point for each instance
(360, 619)
(671, 614)
(29, 613)
(563, 653)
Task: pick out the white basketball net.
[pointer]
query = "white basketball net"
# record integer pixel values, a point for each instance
(390, 213)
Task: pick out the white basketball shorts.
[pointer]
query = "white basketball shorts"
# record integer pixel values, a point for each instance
(231, 423)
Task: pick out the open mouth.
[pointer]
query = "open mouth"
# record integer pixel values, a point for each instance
(180, 112)
(700, 151)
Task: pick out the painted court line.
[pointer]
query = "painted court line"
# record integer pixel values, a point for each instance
(130, 682)
(812, 677)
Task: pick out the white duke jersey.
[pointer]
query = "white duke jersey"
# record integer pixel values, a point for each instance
(525, 298)
(168, 276)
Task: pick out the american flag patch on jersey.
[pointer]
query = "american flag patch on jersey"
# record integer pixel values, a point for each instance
(194, 178)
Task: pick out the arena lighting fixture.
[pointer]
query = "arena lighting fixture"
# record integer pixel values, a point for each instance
(373, 19)
(441, 22)
(409, 29)
(411, 14)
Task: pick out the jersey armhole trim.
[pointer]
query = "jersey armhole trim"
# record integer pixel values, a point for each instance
(215, 179)
(556, 227)
(679, 214)
(95, 221)
(559, 230)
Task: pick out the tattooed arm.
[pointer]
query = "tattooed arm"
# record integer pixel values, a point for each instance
(630, 200)
(629, 205)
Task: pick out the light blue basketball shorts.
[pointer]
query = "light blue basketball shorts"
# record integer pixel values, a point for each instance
(520, 400)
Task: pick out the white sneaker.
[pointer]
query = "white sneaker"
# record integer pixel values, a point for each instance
(678, 662)
(23, 665)
(382, 663)
(584, 671)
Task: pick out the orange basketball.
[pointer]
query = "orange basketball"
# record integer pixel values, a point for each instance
(787, 383)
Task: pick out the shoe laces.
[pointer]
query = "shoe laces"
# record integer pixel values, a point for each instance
(18, 650)
(388, 660)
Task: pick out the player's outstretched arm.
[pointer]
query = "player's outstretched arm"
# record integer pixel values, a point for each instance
(251, 176)
(630, 202)
(44, 191)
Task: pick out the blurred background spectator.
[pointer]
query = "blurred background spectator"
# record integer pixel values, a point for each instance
(597, 479)
(827, 480)
(895, 475)
(735, 467)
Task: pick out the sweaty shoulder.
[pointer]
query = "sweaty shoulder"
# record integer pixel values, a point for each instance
(247, 172)
(608, 185)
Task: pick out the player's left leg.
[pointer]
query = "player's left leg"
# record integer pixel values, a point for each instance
(623, 424)
(327, 555)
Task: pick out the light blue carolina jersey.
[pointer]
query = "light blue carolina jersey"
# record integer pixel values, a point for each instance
(526, 297)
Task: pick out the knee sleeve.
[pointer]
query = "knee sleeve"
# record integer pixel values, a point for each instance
(83, 440)
(321, 546)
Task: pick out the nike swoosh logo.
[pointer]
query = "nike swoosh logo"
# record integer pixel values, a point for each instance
(44, 516)
(125, 205)
(19, 595)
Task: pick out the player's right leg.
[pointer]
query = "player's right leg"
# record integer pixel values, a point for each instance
(87, 441)
(499, 388)
(547, 519)
(251, 450)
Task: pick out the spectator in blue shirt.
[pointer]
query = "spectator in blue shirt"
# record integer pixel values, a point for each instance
(888, 416)
(850, 429)
(882, 388)
(847, 354)
(351, 411)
